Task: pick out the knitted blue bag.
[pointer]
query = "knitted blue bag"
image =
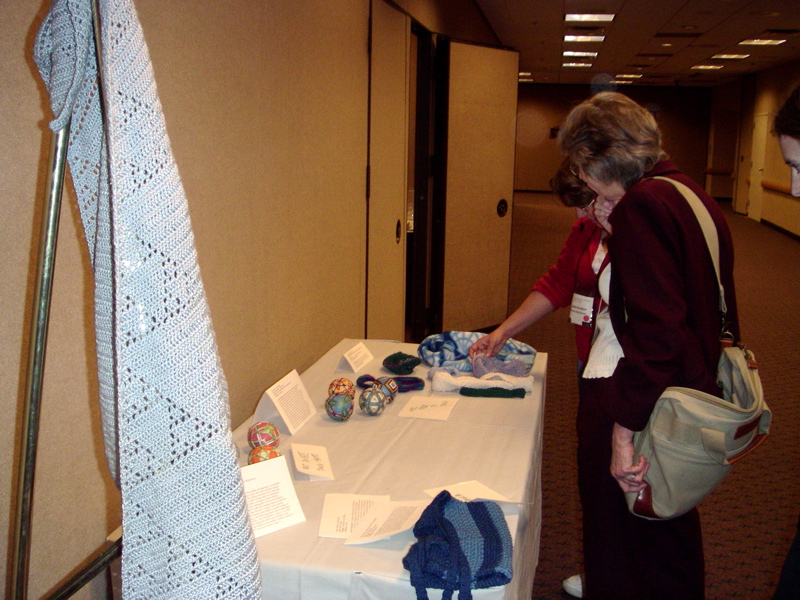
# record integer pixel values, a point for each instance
(460, 546)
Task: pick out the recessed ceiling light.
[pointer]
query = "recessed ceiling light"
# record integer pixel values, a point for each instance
(707, 67)
(576, 64)
(730, 56)
(525, 80)
(760, 42)
(620, 81)
(628, 76)
(584, 38)
(578, 54)
(666, 45)
(524, 74)
(590, 17)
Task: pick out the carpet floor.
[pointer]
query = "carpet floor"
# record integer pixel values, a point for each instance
(750, 520)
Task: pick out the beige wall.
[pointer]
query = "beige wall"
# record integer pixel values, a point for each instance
(459, 19)
(772, 88)
(682, 114)
(270, 139)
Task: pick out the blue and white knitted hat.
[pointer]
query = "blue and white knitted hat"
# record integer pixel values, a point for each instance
(460, 546)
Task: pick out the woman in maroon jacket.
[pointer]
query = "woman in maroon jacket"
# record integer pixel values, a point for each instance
(664, 307)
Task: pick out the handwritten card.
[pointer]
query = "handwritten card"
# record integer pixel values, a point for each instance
(312, 460)
(290, 397)
(342, 512)
(429, 407)
(385, 519)
(355, 359)
(270, 496)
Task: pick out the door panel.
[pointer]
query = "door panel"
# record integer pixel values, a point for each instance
(482, 113)
(388, 160)
(755, 193)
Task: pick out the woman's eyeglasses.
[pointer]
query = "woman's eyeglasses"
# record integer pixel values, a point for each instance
(588, 192)
(589, 204)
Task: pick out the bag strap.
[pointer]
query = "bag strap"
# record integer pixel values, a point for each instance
(709, 232)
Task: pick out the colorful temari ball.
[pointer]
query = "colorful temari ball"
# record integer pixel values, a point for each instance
(342, 386)
(389, 388)
(262, 453)
(372, 401)
(339, 406)
(265, 434)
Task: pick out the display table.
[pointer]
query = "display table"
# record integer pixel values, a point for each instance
(496, 441)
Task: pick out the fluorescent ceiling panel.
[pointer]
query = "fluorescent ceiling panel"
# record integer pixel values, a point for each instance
(584, 38)
(588, 18)
(760, 42)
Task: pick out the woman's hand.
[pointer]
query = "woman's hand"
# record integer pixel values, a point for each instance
(624, 468)
(489, 344)
(601, 210)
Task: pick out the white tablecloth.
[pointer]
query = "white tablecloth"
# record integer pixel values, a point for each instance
(496, 441)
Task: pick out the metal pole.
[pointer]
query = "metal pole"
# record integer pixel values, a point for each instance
(87, 573)
(36, 355)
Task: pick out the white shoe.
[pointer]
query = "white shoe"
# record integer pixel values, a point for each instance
(574, 586)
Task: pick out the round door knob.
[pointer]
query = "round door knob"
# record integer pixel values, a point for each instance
(502, 207)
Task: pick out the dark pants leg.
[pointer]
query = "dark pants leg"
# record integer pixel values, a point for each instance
(627, 557)
(789, 585)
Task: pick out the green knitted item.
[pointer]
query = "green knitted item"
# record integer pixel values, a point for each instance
(401, 363)
(494, 392)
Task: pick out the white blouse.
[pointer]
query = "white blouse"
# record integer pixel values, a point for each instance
(606, 351)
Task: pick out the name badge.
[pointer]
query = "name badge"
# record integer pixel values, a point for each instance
(581, 311)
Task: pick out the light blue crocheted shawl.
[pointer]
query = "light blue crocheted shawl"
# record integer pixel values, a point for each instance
(164, 401)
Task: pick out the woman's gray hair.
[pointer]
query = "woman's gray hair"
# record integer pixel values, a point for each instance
(611, 138)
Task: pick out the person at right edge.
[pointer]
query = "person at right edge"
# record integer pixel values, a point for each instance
(787, 128)
(665, 331)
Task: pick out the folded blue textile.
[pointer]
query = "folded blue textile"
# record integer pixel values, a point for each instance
(451, 349)
(460, 546)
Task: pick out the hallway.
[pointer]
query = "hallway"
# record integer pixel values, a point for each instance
(751, 518)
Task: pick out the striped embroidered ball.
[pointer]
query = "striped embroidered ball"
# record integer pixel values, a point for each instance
(339, 407)
(372, 401)
(389, 388)
(264, 434)
(262, 453)
(342, 386)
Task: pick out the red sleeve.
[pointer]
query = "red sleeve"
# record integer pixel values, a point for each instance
(558, 284)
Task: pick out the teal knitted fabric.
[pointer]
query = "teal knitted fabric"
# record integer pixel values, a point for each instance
(492, 392)
(401, 363)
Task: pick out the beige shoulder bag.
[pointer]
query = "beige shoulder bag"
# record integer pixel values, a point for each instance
(692, 438)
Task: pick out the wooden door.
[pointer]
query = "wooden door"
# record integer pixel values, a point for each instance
(755, 192)
(481, 132)
(388, 168)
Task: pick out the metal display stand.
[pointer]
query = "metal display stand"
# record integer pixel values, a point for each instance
(33, 385)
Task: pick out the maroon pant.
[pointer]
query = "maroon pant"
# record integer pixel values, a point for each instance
(627, 557)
